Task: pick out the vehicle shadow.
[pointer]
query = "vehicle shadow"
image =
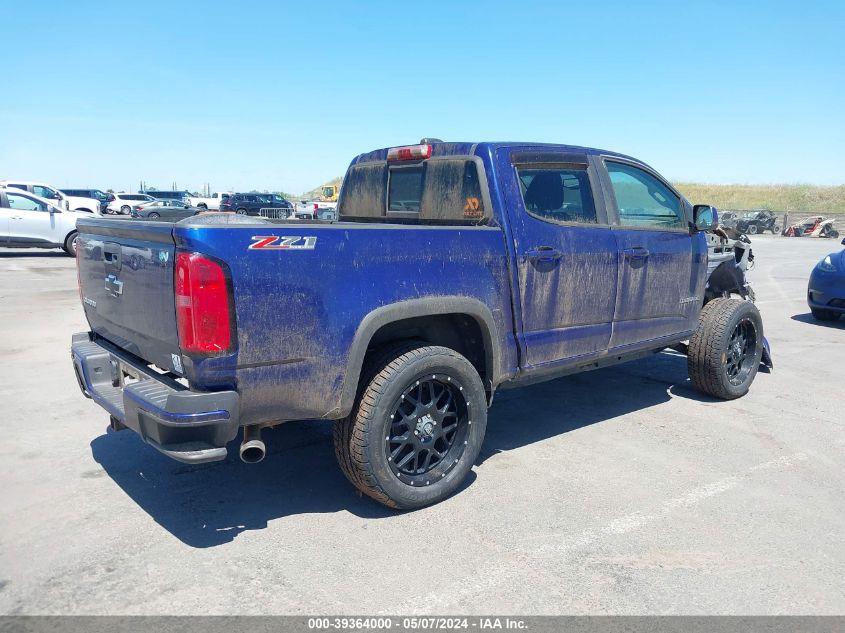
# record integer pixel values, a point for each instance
(809, 318)
(534, 413)
(208, 505)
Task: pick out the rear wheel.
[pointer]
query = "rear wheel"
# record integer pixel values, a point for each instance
(833, 233)
(241, 212)
(416, 427)
(725, 350)
(125, 209)
(752, 229)
(70, 244)
(824, 315)
(202, 206)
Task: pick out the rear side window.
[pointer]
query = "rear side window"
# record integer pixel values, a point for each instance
(24, 203)
(557, 194)
(364, 191)
(452, 192)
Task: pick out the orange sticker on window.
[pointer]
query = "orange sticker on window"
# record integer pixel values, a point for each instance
(472, 209)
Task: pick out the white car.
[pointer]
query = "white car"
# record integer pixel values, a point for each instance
(123, 202)
(212, 203)
(30, 221)
(56, 197)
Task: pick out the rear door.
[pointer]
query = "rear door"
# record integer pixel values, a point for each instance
(660, 264)
(566, 256)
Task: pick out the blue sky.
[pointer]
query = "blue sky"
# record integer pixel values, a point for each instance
(281, 95)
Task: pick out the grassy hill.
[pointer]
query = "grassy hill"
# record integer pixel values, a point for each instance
(800, 199)
(806, 199)
(308, 195)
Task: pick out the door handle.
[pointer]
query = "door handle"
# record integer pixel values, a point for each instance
(543, 255)
(636, 253)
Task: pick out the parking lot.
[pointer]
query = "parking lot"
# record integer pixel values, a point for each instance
(619, 491)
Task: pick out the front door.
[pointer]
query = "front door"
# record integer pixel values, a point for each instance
(5, 214)
(565, 257)
(30, 221)
(659, 284)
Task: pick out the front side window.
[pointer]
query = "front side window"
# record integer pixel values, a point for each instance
(643, 200)
(557, 194)
(404, 189)
(45, 192)
(24, 203)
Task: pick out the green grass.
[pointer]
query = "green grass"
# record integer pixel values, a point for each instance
(316, 191)
(798, 199)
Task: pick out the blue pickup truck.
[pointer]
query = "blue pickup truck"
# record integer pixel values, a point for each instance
(453, 270)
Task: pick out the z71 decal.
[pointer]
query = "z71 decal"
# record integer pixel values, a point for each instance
(276, 243)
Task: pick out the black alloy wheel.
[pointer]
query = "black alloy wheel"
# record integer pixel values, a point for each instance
(742, 352)
(428, 430)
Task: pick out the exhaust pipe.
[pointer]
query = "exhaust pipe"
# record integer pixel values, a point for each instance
(252, 448)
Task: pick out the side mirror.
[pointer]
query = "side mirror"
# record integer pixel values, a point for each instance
(843, 242)
(706, 217)
(53, 209)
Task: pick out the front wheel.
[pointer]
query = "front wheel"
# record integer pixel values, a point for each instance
(415, 429)
(776, 230)
(70, 244)
(241, 211)
(725, 351)
(153, 215)
(752, 229)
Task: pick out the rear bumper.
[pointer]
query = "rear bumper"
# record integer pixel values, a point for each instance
(188, 426)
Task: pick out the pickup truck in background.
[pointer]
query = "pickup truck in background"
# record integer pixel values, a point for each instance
(212, 203)
(455, 269)
(55, 196)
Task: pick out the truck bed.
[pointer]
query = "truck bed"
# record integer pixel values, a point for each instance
(301, 292)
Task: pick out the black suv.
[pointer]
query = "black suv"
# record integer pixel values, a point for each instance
(181, 196)
(268, 205)
(100, 196)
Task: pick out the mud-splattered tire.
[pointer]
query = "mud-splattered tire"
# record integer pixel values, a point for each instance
(397, 445)
(725, 351)
(824, 315)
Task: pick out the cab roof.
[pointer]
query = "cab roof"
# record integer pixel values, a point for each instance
(486, 147)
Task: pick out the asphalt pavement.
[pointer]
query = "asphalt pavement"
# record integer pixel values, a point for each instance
(620, 491)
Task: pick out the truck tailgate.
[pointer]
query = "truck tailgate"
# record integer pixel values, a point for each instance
(126, 282)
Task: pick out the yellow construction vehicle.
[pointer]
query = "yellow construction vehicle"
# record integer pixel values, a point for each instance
(329, 193)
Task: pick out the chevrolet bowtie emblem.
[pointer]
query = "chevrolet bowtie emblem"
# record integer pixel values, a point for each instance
(114, 286)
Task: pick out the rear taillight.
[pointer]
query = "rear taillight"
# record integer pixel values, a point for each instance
(203, 310)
